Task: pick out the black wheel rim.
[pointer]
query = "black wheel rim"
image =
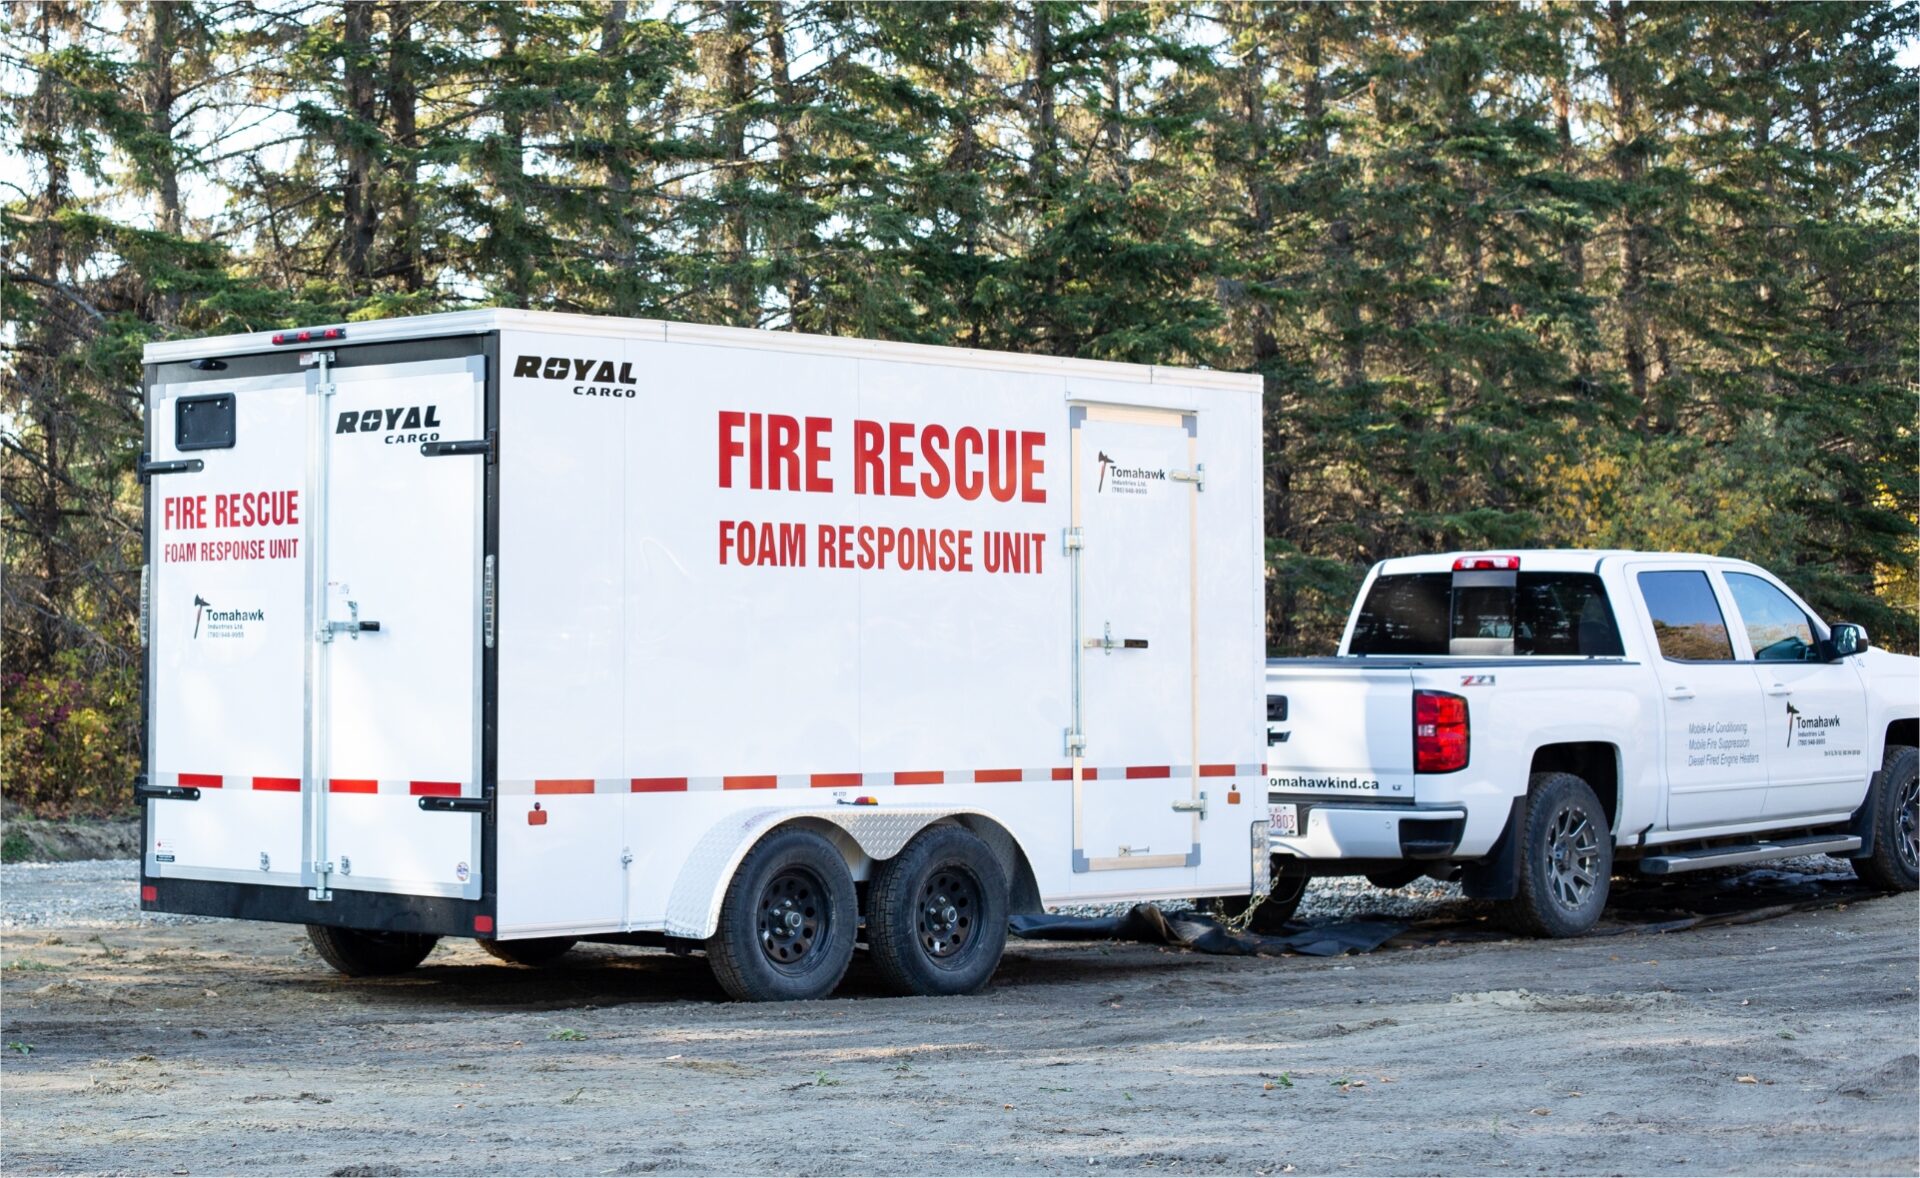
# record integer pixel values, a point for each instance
(947, 913)
(1573, 859)
(794, 919)
(1906, 822)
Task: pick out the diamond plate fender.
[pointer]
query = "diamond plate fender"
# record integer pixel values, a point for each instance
(693, 907)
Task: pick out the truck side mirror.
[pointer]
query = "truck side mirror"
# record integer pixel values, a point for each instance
(1848, 639)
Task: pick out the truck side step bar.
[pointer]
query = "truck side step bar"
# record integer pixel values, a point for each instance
(1746, 853)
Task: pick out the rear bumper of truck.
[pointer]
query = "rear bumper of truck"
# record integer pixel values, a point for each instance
(1330, 830)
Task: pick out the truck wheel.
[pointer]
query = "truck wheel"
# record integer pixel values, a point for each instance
(1566, 859)
(937, 914)
(1270, 919)
(787, 921)
(529, 951)
(1895, 862)
(361, 954)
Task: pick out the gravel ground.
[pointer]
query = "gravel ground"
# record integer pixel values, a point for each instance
(103, 893)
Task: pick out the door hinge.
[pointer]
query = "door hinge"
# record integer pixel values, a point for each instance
(1072, 540)
(147, 468)
(1197, 476)
(321, 893)
(1076, 743)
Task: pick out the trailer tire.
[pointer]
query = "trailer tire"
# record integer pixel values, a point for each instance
(937, 914)
(788, 920)
(1274, 913)
(362, 954)
(1565, 861)
(1895, 862)
(529, 950)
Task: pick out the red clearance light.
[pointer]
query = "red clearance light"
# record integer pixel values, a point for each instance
(483, 925)
(149, 893)
(1478, 563)
(309, 335)
(1440, 732)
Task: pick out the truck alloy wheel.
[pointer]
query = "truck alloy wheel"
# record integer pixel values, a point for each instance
(1565, 859)
(937, 914)
(787, 920)
(1895, 798)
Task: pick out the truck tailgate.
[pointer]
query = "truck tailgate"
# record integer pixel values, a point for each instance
(1342, 730)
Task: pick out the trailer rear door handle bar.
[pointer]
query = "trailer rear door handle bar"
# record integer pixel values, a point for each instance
(149, 468)
(142, 792)
(454, 449)
(454, 805)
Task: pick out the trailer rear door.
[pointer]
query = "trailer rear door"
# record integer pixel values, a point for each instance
(315, 639)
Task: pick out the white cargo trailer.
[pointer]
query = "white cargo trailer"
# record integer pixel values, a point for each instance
(534, 628)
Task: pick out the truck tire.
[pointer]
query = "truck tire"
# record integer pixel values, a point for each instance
(937, 914)
(1565, 861)
(362, 954)
(1270, 919)
(1895, 862)
(528, 951)
(787, 922)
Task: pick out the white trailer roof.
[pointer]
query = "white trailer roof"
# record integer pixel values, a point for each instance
(497, 318)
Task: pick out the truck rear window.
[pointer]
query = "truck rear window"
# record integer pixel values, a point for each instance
(1544, 614)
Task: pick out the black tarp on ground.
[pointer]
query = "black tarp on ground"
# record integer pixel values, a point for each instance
(1638, 905)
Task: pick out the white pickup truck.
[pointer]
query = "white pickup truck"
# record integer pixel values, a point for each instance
(1529, 722)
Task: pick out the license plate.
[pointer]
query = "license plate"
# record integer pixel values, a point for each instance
(1284, 819)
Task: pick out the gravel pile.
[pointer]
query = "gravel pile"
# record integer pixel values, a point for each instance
(86, 893)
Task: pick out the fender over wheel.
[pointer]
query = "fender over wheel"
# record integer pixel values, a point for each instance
(787, 921)
(529, 950)
(1895, 862)
(362, 954)
(937, 914)
(1565, 859)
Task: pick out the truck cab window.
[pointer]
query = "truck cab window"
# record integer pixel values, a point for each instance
(1778, 629)
(1565, 614)
(1686, 616)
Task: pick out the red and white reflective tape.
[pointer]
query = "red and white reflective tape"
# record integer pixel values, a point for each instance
(339, 785)
(759, 781)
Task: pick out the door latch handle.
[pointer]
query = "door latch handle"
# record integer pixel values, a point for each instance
(352, 628)
(1680, 693)
(1108, 643)
(1192, 806)
(1779, 689)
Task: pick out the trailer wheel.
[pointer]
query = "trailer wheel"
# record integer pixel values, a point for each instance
(787, 922)
(529, 951)
(1895, 862)
(1270, 919)
(1566, 859)
(361, 954)
(937, 914)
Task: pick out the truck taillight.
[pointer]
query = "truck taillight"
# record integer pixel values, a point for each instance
(1440, 732)
(1507, 564)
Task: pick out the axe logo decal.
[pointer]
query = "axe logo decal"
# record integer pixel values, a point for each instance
(200, 605)
(1105, 462)
(1793, 722)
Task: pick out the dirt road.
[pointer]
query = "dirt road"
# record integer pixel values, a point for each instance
(1782, 1047)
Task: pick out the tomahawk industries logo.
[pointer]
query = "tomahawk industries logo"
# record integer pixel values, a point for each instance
(1126, 480)
(1808, 730)
(222, 623)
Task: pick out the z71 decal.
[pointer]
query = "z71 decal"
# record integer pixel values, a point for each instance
(1476, 680)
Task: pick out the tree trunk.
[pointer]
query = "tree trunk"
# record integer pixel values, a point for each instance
(403, 102)
(360, 213)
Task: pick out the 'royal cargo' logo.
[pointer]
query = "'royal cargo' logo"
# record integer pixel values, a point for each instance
(590, 377)
(401, 424)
